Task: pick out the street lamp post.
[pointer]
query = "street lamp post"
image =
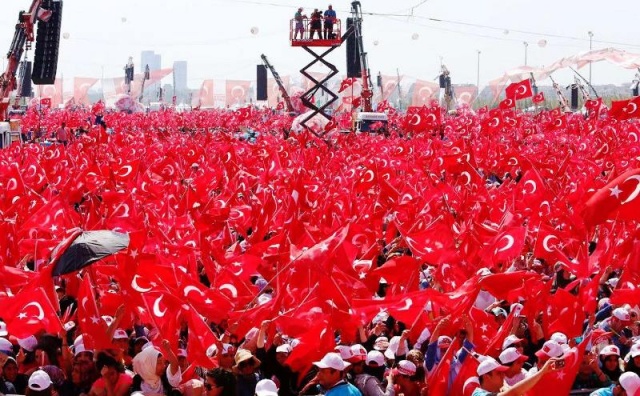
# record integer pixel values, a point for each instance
(478, 76)
(590, 48)
(526, 48)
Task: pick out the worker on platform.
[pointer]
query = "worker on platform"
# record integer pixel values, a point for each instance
(299, 24)
(329, 21)
(316, 24)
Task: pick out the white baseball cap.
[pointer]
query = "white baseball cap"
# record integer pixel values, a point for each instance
(39, 381)
(511, 355)
(635, 350)
(375, 357)
(332, 360)
(3, 329)
(394, 344)
(266, 387)
(630, 382)
(29, 343)
(444, 341)
(344, 351)
(120, 334)
(6, 346)
(284, 348)
(79, 348)
(610, 350)
(559, 337)
(381, 344)
(406, 367)
(622, 314)
(490, 364)
(357, 353)
(550, 349)
(510, 340)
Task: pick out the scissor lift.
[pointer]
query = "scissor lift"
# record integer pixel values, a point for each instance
(308, 44)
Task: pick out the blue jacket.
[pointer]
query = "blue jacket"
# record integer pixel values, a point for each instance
(343, 388)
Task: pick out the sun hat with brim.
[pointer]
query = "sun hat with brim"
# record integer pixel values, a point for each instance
(39, 381)
(266, 387)
(332, 360)
(490, 364)
(244, 355)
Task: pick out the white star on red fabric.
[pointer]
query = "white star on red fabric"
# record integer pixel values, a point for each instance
(615, 191)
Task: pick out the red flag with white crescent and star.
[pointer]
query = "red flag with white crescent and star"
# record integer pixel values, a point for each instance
(30, 311)
(617, 200)
(519, 90)
(90, 322)
(538, 98)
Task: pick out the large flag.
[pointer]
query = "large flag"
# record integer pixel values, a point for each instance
(52, 92)
(616, 200)
(423, 92)
(237, 92)
(81, 86)
(206, 94)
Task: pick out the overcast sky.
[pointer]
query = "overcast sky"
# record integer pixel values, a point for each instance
(215, 37)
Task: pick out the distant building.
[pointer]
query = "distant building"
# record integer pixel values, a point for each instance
(180, 79)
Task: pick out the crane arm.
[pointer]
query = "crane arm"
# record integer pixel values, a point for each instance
(23, 36)
(276, 76)
(367, 93)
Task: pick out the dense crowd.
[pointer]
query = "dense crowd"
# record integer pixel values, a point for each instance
(489, 252)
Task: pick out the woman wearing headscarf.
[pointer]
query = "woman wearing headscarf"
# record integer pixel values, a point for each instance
(153, 376)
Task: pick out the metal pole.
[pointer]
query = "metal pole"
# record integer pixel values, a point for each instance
(526, 47)
(478, 76)
(590, 48)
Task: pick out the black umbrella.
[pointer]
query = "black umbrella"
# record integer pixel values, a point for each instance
(89, 247)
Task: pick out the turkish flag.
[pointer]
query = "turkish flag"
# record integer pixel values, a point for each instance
(81, 86)
(539, 98)
(618, 199)
(92, 326)
(346, 83)
(593, 106)
(331, 125)
(356, 102)
(507, 245)
(561, 381)
(507, 104)
(519, 90)
(625, 109)
(438, 379)
(45, 102)
(29, 312)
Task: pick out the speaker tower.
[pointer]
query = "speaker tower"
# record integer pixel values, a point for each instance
(354, 69)
(45, 63)
(261, 83)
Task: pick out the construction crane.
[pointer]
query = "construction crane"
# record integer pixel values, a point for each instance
(276, 76)
(367, 93)
(22, 39)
